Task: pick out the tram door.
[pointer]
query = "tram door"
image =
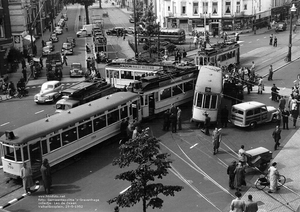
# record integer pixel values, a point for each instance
(136, 110)
(35, 157)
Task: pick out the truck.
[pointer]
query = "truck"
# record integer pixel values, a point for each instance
(86, 30)
(54, 66)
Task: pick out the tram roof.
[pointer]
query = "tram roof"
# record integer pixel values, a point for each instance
(64, 119)
(209, 77)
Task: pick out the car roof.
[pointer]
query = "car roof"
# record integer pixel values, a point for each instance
(53, 82)
(248, 105)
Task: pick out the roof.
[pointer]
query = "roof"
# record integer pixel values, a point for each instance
(209, 77)
(248, 105)
(257, 151)
(53, 82)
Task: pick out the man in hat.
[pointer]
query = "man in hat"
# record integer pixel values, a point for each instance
(216, 138)
(231, 173)
(206, 124)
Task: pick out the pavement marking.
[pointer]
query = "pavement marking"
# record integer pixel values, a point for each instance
(12, 201)
(193, 146)
(125, 189)
(4, 124)
(266, 60)
(39, 112)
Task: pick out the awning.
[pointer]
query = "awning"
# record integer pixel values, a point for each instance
(27, 39)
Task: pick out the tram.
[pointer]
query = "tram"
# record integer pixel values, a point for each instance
(66, 134)
(208, 91)
(174, 85)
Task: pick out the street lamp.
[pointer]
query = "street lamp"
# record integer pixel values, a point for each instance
(289, 56)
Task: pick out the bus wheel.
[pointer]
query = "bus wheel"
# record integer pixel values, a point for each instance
(252, 125)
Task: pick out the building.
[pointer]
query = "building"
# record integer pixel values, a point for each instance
(6, 41)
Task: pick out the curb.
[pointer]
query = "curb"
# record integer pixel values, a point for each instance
(19, 198)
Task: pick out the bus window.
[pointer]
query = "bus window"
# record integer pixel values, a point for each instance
(18, 153)
(44, 147)
(85, 129)
(25, 152)
(188, 86)
(113, 117)
(54, 142)
(124, 112)
(69, 136)
(9, 153)
(214, 102)
(166, 93)
(206, 101)
(199, 100)
(99, 123)
(177, 90)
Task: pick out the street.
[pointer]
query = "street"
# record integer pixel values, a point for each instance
(86, 185)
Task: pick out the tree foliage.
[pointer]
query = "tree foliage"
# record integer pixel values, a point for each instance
(14, 55)
(86, 4)
(151, 164)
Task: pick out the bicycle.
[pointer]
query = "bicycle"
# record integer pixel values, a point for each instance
(263, 182)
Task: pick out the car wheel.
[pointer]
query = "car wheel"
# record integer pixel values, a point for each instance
(253, 125)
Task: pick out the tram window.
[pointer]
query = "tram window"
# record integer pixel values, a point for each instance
(205, 61)
(199, 100)
(128, 75)
(99, 123)
(25, 152)
(166, 93)
(9, 153)
(69, 136)
(138, 75)
(177, 90)
(108, 73)
(233, 54)
(206, 101)
(213, 102)
(85, 129)
(54, 142)
(188, 86)
(113, 117)
(116, 74)
(142, 100)
(124, 112)
(44, 147)
(18, 154)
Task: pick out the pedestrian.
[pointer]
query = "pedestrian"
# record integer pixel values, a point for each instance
(276, 136)
(252, 70)
(275, 41)
(250, 205)
(46, 175)
(123, 129)
(231, 173)
(43, 43)
(216, 139)
(294, 28)
(260, 85)
(270, 77)
(282, 102)
(179, 118)
(184, 53)
(129, 130)
(64, 57)
(224, 116)
(24, 72)
(41, 62)
(285, 118)
(173, 119)
(237, 205)
(274, 92)
(278, 117)
(179, 56)
(195, 41)
(166, 125)
(242, 155)
(173, 109)
(295, 114)
(239, 178)
(273, 177)
(206, 124)
(271, 39)
(26, 175)
(135, 133)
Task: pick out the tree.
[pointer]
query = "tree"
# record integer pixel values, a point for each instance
(144, 151)
(86, 4)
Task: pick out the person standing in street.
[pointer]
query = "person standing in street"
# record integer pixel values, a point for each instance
(231, 173)
(242, 155)
(26, 175)
(271, 40)
(273, 177)
(260, 85)
(277, 136)
(179, 118)
(250, 205)
(216, 139)
(281, 104)
(285, 118)
(270, 77)
(173, 118)
(46, 175)
(295, 114)
(206, 124)
(135, 133)
(239, 178)
(24, 72)
(237, 205)
(64, 59)
(275, 41)
(224, 116)
(166, 125)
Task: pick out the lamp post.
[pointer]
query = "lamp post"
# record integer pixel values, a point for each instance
(135, 32)
(289, 56)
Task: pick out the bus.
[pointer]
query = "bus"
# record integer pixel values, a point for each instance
(83, 92)
(208, 94)
(174, 85)
(220, 54)
(175, 36)
(120, 74)
(66, 134)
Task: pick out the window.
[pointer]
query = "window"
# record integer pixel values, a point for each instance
(113, 117)
(169, 8)
(99, 123)
(257, 111)
(85, 129)
(245, 6)
(199, 100)
(183, 8)
(166, 93)
(25, 152)
(124, 112)
(126, 75)
(44, 147)
(207, 101)
(18, 153)
(215, 8)
(138, 75)
(195, 8)
(214, 102)
(263, 109)
(54, 142)
(249, 113)
(9, 153)
(227, 7)
(238, 7)
(69, 136)
(205, 7)
(177, 90)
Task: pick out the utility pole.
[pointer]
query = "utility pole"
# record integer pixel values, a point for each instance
(158, 42)
(135, 32)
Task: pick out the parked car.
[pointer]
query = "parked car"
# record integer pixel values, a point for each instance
(116, 30)
(76, 70)
(280, 26)
(67, 49)
(46, 50)
(61, 23)
(64, 16)
(130, 30)
(53, 38)
(131, 19)
(50, 44)
(71, 40)
(58, 30)
(50, 92)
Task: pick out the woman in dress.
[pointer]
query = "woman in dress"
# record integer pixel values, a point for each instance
(273, 177)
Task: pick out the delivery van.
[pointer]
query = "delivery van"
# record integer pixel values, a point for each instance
(86, 30)
(249, 114)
